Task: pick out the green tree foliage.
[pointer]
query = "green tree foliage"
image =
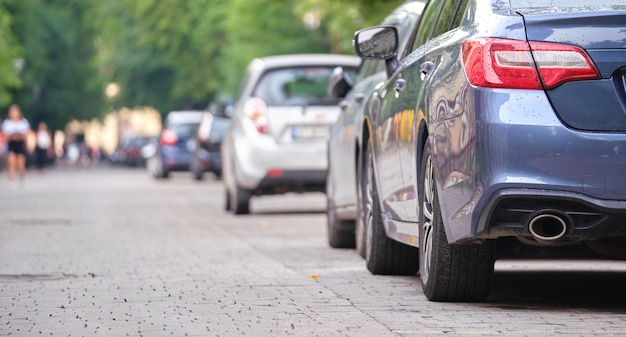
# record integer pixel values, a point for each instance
(10, 53)
(168, 54)
(261, 28)
(60, 78)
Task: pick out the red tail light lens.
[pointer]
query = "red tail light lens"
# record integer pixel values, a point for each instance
(168, 137)
(560, 63)
(503, 63)
(256, 110)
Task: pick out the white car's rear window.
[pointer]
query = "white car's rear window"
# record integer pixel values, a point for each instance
(295, 86)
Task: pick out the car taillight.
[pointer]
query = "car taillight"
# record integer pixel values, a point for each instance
(256, 110)
(168, 137)
(515, 64)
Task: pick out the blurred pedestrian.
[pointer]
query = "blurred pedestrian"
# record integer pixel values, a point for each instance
(43, 150)
(16, 128)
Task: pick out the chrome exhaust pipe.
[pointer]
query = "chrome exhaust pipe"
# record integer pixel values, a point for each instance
(547, 227)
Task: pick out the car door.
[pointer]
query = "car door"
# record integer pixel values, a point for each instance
(396, 112)
(343, 155)
(426, 61)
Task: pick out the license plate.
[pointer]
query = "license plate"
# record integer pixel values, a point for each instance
(309, 131)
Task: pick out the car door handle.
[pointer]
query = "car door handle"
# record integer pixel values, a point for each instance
(343, 105)
(425, 69)
(359, 98)
(400, 85)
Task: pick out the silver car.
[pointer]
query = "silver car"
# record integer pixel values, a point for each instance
(277, 139)
(344, 143)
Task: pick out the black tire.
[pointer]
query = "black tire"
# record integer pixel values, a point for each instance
(196, 168)
(198, 175)
(383, 255)
(240, 200)
(359, 226)
(448, 272)
(340, 232)
(227, 206)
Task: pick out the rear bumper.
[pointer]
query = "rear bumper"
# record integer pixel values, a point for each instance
(211, 161)
(303, 165)
(293, 181)
(176, 161)
(517, 159)
(509, 212)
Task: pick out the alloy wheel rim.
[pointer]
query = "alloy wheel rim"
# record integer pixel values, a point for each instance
(427, 210)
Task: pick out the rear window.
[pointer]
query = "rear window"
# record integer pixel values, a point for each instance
(567, 5)
(184, 129)
(296, 86)
(220, 125)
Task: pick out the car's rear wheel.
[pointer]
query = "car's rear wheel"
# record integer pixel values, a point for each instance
(240, 200)
(340, 232)
(359, 230)
(227, 206)
(196, 169)
(448, 272)
(383, 255)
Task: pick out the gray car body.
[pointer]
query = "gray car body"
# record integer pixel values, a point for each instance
(502, 155)
(344, 141)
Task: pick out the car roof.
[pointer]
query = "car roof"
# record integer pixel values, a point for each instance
(298, 60)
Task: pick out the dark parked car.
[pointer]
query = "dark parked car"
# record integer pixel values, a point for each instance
(506, 123)
(206, 156)
(172, 151)
(130, 151)
(344, 139)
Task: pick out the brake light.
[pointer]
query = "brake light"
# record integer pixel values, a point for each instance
(274, 173)
(168, 137)
(504, 63)
(560, 63)
(256, 110)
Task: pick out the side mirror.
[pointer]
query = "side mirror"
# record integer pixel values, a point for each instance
(221, 108)
(340, 84)
(378, 43)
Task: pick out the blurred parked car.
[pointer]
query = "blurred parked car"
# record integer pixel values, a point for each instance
(207, 156)
(507, 123)
(344, 142)
(173, 149)
(130, 151)
(277, 139)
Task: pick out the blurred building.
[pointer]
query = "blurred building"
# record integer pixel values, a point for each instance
(115, 127)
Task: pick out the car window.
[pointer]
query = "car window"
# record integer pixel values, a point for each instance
(427, 23)
(297, 86)
(368, 68)
(184, 129)
(219, 125)
(451, 12)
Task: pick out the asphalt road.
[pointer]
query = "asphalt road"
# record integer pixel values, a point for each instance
(111, 252)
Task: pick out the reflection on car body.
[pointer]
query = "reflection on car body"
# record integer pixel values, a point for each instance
(504, 123)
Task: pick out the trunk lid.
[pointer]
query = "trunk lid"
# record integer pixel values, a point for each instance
(590, 105)
(297, 124)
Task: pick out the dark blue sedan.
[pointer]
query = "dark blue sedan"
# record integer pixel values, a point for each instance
(173, 149)
(506, 123)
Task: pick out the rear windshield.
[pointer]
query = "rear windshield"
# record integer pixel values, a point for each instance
(296, 86)
(184, 129)
(568, 5)
(220, 125)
